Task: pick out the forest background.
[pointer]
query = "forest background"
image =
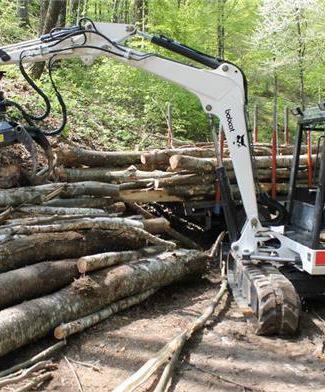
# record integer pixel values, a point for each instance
(279, 44)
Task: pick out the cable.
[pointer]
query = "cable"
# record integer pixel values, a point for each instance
(60, 100)
(37, 89)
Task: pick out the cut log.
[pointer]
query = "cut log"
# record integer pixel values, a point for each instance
(46, 210)
(82, 202)
(104, 175)
(148, 196)
(76, 157)
(28, 195)
(77, 326)
(20, 251)
(33, 319)
(156, 225)
(76, 224)
(36, 280)
(199, 165)
(159, 159)
(104, 260)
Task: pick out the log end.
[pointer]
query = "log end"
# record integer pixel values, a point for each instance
(59, 333)
(82, 266)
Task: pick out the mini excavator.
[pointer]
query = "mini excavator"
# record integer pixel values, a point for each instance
(276, 257)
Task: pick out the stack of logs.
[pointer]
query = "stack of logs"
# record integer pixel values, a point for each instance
(172, 175)
(77, 249)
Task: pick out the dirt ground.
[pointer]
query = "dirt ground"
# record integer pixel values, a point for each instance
(227, 350)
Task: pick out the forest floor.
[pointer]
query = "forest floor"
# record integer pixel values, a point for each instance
(227, 350)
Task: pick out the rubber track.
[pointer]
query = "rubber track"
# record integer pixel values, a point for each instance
(272, 298)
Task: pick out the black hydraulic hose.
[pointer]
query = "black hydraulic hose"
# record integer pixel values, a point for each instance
(34, 86)
(61, 102)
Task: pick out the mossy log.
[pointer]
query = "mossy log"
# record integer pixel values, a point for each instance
(26, 322)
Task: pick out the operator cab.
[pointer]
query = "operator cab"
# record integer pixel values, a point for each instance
(306, 203)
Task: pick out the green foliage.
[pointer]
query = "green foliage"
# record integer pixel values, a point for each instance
(122, 106)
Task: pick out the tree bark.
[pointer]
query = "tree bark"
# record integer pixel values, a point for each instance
(46, 210)
(105, 175)
(34, 194)
(52, 13)
(148, 196)
(33, 319)
(22, 13)
(77, 326)
(104, 260)
(75, 157)
(20, 251)
(202, 165)
(160, 158)
(33, 281)
(106, 203)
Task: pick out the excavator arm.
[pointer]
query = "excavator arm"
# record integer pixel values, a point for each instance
(221, 90)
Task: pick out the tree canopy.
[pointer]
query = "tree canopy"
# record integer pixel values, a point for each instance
(123, 105)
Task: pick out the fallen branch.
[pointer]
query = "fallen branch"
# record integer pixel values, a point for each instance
(74, 374)
(48, 352)
(215, 247)
(85, 364)
(26, 373)
(77, 326)
(36, 382)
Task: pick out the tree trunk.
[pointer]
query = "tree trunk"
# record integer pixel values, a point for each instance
(221, 28)
(301, 55)
(22, 13)
(33, 281)
(52, 13)
(43, 10)
(62, 18)
(21, 324)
